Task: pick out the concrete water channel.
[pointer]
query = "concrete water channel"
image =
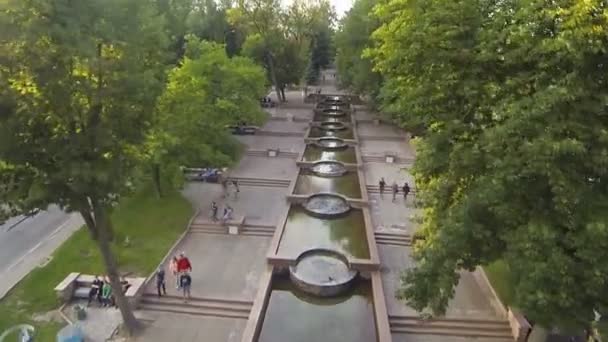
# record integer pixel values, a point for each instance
(324, 282)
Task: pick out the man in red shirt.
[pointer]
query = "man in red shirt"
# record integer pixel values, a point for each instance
(183, 264)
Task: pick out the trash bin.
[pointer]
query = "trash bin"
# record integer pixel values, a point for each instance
(70, 333)
(80, 312)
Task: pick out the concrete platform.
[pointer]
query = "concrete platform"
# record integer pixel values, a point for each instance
(375, 148)
(185, 328)
(468, 302)
(265, 167)
(285, 126)
(436, 338)
(287, 144)
(390, 172)
(399, 216)
(223, 266)
(381, 130)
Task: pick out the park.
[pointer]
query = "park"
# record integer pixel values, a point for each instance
(261, 171)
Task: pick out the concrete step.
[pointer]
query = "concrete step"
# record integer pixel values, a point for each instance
(279, 134)
(201, 306)
(244, 181)
(393, 243)
(263, 234)
(382, 137)
(388, 191)
(382, 159)
(472, 328)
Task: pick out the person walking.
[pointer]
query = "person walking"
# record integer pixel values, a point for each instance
(160, 282)
(236, 188)
(406, 191)
(185, 281)
(395, 189)
(183, 263)
(381, 185)
(213, 211)
(224, 183)
(173, 270)
(227, 213)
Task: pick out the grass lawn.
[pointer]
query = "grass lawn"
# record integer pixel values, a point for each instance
(152, 226)
(499, 275)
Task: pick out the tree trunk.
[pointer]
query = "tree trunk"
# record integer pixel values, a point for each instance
(273, 75)
(102, 225)
(156, 180)
(283, 94)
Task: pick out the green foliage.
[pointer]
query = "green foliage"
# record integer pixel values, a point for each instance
(351, 40)
(164, 220)
(280, 38)
(511, 98)
(81, 82)
(207, 92)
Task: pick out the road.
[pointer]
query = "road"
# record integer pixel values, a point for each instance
(25, 242)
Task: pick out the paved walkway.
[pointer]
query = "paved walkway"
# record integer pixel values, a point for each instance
(228, 266)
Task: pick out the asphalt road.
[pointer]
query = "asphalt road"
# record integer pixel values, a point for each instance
(19, 235)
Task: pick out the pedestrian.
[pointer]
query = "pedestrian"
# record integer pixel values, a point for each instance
(183, 264)
(227, 213)
(106, 293)
(224, 187)
(160, 282)
(406, 190)
(185, 282)
(95, 291)
(173, 270)
(381, 185)
(214, 211)
(395, 190)
(236, 188)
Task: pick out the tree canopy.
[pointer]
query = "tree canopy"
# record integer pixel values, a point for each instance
(207, 92)
(510, 99)
(80, 81)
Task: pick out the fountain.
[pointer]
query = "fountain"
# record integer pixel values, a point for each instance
(326, 205)
(332, 126)
(322, 272)
(328, 169)
(331, 143)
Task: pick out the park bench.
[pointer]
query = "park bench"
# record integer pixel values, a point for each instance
(77, 285)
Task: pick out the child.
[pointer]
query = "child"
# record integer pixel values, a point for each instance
(173, 270)
(185, 282)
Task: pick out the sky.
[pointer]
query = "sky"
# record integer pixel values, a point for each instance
(342, 6)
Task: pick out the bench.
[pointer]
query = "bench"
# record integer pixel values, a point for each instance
(77, 285)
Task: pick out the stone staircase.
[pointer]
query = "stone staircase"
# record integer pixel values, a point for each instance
(294, 119)
(375, 189)
(279, 134)
(469, 328)
(382, 159)
(382, 138)
(262, 182)
(264, 153)
(216, 228)
(393, 239)
(197, 306)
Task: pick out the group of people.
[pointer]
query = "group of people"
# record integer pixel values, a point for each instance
(226, 216)
(181, 268)
(101, 290)
(395, 189)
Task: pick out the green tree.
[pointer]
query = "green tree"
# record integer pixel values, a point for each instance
(511, 96)
(260, 20)
(351, 40)
(78, 80)
(207, 92)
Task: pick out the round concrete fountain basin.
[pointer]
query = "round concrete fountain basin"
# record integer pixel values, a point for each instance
(322, 272)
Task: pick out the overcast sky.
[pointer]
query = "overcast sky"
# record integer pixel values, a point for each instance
(342, 6)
